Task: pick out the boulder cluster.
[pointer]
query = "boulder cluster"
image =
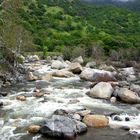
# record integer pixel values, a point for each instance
(107, 83)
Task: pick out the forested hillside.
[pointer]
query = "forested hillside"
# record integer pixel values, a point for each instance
(68, 26)
(60, 23)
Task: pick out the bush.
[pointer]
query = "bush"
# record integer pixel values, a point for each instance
(114, 55)
(67, 53)
(125, 54)
(78, 51)
(97, 52)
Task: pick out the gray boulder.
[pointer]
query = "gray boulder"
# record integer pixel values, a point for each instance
(96, 75)
(58, 65)
(102, 90)
(62, 127)
(63, 73)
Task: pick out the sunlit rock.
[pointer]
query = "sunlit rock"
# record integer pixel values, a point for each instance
(96, 75)
(128, 96)
(113, 100)
(102, 90)
(30, 77)
(21, 98)
(63, 73)
(34, 129)
(39, 94)
(96, 120)
(58, 65)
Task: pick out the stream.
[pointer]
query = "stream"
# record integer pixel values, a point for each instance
(61, 93)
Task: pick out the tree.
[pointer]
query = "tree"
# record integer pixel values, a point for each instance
(13, 37)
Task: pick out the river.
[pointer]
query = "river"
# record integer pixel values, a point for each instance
(61, 93)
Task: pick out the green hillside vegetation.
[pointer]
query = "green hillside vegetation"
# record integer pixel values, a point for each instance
(76, 28)
(58, 24)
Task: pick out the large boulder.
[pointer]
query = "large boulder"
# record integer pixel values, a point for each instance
(63, 73)
(102, 90)
(76, 68)
(62, 127)
(58, 65)
(96, 75)
(79, 60)
(128, 96)
(96, 120)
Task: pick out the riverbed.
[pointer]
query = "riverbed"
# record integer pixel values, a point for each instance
(61, 93)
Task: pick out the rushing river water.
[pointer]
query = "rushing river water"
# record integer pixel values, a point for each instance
(16, 116)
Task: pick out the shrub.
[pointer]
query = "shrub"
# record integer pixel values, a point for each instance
(114, 55)
(78, 51)
(67, 53)
(97, 52)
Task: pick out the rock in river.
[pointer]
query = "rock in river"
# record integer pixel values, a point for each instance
(39, 94)
(30, 77)
(102, 90)
(63, 73)
(76, 68)
(128, 96)
(21, 98)
(34, 129)
(62, 127)
(96, 120)
(96, 75)
(58, 65)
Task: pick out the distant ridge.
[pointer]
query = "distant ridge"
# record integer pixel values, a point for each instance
(129, 4)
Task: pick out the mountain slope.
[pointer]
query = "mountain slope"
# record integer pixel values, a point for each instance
(59, 23)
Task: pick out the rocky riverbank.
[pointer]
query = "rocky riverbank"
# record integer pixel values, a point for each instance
(63, 99)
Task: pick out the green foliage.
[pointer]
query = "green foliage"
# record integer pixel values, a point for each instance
(13, 37)
(60, 23)
(74, 27)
